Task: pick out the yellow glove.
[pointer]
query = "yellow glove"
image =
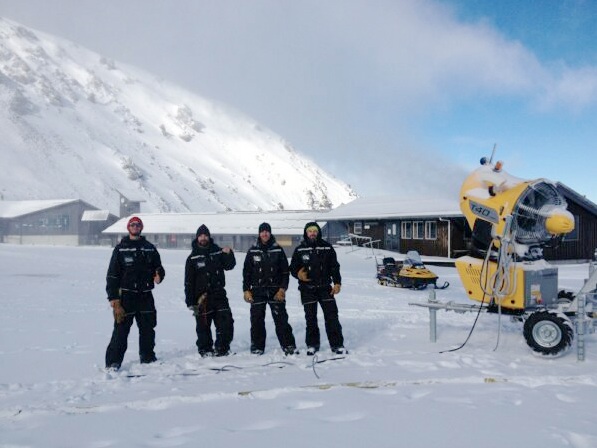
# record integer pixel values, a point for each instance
(336, 289)
(280, 295)
(248, 296)
(118, 310)
(303, 275)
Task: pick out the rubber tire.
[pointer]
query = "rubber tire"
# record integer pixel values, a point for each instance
(548, 333)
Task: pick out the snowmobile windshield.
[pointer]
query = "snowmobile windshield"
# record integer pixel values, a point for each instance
(413, 259)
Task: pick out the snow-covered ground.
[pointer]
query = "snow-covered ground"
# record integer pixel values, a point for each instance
(393, 389)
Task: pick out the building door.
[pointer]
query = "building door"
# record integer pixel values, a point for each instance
(392, 236)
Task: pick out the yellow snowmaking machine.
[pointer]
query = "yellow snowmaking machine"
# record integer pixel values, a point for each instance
(512, 221)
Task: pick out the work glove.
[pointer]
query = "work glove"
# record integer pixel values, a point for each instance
(302, 275)
(156, 278)
(196, 309)
(118, 310)
(280, 295)
(336, 289)
(248, 296)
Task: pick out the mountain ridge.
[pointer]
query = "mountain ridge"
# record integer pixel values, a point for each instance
(77, 124)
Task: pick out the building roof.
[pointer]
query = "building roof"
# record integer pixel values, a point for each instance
(230, 223)
(388, 207)
(14, 209)
(586, 203)
(95, 215)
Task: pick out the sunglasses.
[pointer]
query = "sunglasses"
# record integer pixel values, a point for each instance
(134, 224)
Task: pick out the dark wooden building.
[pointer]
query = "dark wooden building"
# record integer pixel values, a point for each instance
(581, 244)
(435, 227)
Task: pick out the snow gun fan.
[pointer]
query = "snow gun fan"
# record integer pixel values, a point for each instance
(512, 220)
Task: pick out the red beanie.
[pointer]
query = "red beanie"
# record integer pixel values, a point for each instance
(135, 219)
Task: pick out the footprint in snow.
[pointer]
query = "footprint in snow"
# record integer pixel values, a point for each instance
(261, 426)
(306, 405)
(352, 417)
(177, 436)
(566, 398)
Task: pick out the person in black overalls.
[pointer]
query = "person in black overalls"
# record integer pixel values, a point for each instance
(314, 263)
(265, 281)
(204, 282)
(135, 267)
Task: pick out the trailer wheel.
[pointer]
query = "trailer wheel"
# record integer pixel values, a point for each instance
(548, 333)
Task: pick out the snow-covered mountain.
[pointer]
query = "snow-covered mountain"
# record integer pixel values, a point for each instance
(75, 124)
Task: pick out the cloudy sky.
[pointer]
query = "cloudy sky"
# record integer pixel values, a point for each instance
(374, 91)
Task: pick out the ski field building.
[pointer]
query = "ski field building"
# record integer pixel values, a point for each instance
(64, 222)
(238, 230)
(436, 227)
(433, 227)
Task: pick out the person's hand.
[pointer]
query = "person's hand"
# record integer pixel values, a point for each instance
(302, 275)
(248, 296)
(336, 289)
(280, 295)
(118, 310)
(194, 309)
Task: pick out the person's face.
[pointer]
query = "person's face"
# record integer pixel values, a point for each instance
(312, 234)
(202, 240)
(134, 229)
(264, 236)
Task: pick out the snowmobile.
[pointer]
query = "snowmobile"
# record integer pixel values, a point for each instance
(411, 273)
(512, 221)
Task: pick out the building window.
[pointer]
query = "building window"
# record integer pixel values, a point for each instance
(407, 230)
(430, 230)
(418, 230)
(54, 222)
(358, 227)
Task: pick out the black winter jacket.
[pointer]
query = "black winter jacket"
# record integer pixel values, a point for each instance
(266, 266)
(204, 271)
(319, 259)
(132, 267)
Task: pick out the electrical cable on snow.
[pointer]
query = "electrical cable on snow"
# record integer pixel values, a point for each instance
(313, 362)
(502, 265)
(484, 268)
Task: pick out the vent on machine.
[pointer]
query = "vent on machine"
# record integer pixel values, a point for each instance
(532, 210)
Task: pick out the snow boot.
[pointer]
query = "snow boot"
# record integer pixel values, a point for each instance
(290, 350)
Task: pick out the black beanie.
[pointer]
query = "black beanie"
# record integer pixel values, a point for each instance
(203, 230)
(265, 226)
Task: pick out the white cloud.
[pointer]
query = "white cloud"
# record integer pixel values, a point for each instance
(335, 78)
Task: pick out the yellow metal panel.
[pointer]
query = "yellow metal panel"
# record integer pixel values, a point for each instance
(476, 280)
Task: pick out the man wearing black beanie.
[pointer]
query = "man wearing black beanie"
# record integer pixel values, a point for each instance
(265, 280)
(315, 264)
(205, 294)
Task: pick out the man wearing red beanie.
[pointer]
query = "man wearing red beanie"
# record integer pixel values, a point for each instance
(135, 267)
